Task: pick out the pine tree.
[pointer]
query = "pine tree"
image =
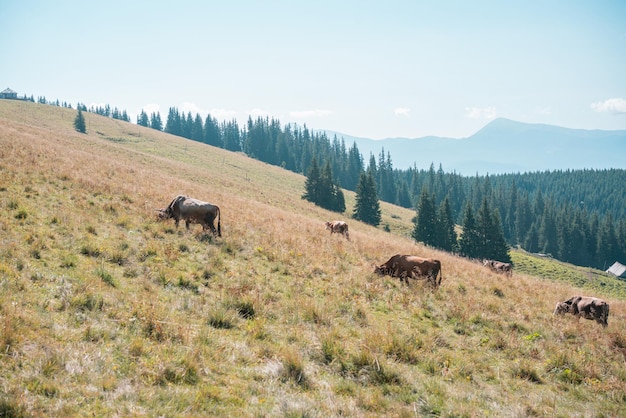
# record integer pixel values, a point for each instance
(231, 135)
(339, 201)
(470, 238)
(312, 185)
(367, 208)
(142, 119)
(425, 221)
(608, 245)
(403, 198)
(355, 167)
(197, 129)
(321, 189)
(548, 235)
(212, 135)
(174, 124)
(331, 195)
(491, 244)
(447, 239)
(155, 121)
(79, 122)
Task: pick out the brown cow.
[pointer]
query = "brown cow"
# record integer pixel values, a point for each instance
(405, 266)
(193, 210)
(339, 227)
(499, 267)
(585, 307)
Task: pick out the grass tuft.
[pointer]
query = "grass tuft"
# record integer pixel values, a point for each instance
(220, 318)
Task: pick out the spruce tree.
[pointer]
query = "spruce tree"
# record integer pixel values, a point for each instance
(321, 189)
(79, 122)
(425, 221)
(174, 124)
(491, 243)
(367, 208)
(470, 238)
(155, 121)
(197, 129)
(212, 134)
(312, 184)
(447, 239)
(142, 119)
(330, 194)
(337, 202)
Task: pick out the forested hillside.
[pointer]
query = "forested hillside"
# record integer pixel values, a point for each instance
(578, 216)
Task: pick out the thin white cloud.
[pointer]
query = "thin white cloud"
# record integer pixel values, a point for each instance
(256, 112)
(151, 108)
(480, 112)
(187, 107)
(309, 113)
(402, 111)
(544, 110)
(97, 105)
(615, 105)
(216, 113)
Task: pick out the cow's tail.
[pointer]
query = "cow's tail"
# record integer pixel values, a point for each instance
(219, 223)
(440, 277)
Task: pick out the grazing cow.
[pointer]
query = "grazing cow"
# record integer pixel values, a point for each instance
(499, 267)
(405, 266)
(339, 227)
(193, 210)
(586, 307)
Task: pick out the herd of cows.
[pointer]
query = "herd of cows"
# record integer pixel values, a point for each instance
(399, 266)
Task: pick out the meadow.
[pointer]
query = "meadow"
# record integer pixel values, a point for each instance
(106, 311)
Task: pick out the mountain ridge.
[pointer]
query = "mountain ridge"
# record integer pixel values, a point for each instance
(503, 146)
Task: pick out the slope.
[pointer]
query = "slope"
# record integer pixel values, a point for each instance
(105, 311)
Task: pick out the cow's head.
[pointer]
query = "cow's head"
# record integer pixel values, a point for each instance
(380, 270)
(164, 214)
(561, 308)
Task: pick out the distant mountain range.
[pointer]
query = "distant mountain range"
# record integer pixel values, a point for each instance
(503, 146)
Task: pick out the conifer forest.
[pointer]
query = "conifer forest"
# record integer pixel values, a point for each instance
(576, 216)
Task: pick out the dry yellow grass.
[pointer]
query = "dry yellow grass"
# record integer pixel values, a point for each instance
(105, 311)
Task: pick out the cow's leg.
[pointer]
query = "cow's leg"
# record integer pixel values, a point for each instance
(187, 222)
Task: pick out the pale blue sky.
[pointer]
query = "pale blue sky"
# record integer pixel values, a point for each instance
(374, 69)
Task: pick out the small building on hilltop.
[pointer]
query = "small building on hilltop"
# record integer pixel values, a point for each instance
(8, 94)
(618, 269)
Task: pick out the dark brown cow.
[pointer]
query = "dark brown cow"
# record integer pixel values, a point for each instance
(499, 267)
(405, 266)
(585, 307)
(339, 227)
(193, 210)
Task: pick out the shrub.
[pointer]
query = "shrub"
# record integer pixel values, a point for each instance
(525, 371)
(245, 309)
(105, 276)
(293, 369)
(11, 409)
(220, 319)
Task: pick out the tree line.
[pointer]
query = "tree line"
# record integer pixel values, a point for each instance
(577, 216)
(573, 215)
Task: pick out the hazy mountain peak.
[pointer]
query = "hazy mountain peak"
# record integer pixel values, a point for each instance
(505, 146)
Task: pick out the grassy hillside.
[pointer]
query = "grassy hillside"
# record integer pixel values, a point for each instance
(105, 311)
